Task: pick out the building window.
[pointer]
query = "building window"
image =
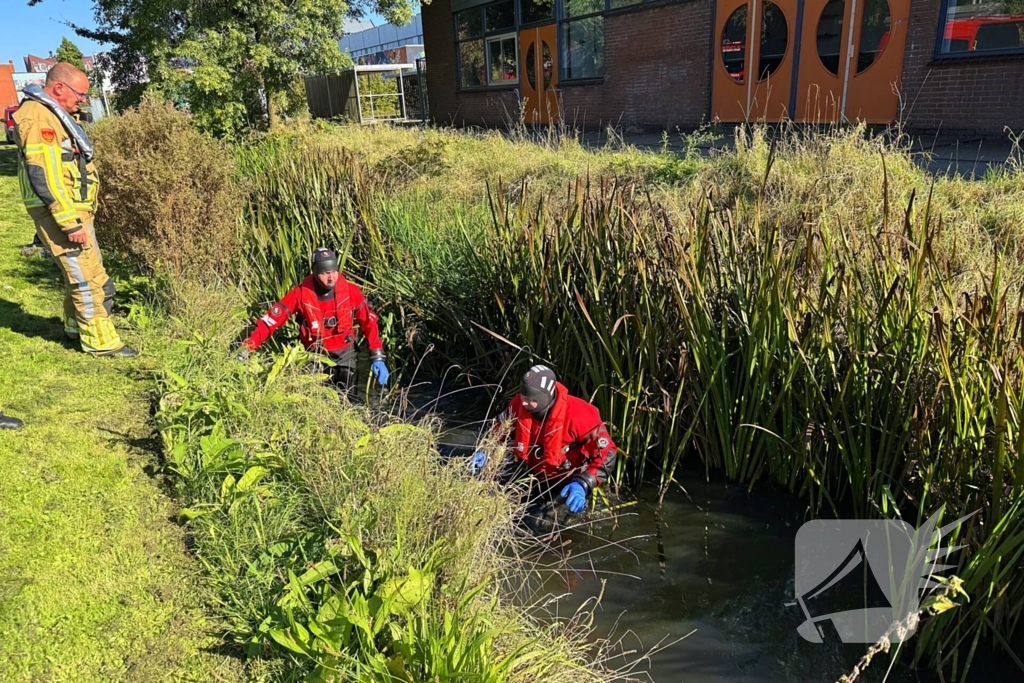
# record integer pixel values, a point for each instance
(469, 24)
(503, 59)
(472, 70)
(582, 48)
(580, 8)
(976, 28)
(501, 16)
(531, 11)
(486, 45)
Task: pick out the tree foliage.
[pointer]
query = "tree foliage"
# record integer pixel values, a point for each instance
(233, 63)
(69, 52)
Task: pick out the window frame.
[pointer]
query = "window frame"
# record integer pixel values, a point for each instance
(939, 56)
(559, 41)
(562, 19)
(520, 24)
(501, 37)
(486, 37)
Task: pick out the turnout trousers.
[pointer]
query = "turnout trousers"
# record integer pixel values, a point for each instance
(88, 290)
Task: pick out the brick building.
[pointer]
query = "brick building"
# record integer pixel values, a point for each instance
(41, 65)
(954, 65)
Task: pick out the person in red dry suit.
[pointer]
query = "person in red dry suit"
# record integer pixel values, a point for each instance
(329, 306)
(559, 438)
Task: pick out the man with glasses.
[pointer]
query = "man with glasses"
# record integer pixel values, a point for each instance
(59, 187)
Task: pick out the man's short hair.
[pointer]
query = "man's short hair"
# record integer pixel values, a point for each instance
(63, 72)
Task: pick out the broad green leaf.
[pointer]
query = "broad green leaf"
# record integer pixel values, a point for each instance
(251, 477)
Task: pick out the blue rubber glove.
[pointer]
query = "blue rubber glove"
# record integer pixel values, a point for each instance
(478, 462)
(575, 496)
(380, 372)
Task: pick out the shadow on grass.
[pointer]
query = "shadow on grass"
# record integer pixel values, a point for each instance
(18, 320)
(8, 160)
(40, 271)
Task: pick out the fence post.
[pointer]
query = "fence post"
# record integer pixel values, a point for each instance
(401, 94)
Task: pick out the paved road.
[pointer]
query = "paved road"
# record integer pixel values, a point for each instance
(940, 154)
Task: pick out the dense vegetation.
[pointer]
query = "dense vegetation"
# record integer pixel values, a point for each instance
(337, 543)
(812, 310)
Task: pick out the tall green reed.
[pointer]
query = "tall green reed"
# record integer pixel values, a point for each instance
(833, 357)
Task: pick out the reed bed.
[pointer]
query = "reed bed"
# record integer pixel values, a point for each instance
(811, 310)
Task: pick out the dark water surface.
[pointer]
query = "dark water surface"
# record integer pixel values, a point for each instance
(713, 563)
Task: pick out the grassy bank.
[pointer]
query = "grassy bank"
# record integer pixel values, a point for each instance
(95, 582)
(338, 544)
(809, 309)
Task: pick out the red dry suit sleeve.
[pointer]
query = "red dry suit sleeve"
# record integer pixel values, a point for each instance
(275, 316)
(599, 450)
(367, 321)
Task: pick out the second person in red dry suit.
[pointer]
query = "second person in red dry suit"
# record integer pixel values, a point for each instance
(329, 307)
(559, 438)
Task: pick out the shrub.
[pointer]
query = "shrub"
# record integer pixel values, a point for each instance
(168, 199)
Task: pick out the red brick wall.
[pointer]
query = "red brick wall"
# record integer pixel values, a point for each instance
(656, 72)
(492, 107)
(962, 96)
(8, 93)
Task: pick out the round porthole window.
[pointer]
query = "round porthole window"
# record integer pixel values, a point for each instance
(774, 40)
(734, 43)
(830, 34)
(874, 32)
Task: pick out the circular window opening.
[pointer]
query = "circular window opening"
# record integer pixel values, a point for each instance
(774, 40)
(830, 34)
(734, 43)
(874, 32)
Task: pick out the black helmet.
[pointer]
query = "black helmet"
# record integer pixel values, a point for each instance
(324, 261)
(539, 385)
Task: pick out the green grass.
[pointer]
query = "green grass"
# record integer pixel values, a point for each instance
(95, 580)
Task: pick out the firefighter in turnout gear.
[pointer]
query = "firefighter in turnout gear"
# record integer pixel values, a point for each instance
(559, 439)
(329, 308)
(59, 187)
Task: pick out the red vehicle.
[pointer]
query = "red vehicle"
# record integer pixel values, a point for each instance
(9, 122)
(985, 33)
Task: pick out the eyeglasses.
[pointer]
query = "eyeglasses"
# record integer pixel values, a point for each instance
(82, 96)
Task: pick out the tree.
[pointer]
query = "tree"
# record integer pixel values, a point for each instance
(233, 63)
(243, 57)
(69, 52)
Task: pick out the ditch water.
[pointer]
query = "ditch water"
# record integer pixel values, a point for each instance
(696, 589)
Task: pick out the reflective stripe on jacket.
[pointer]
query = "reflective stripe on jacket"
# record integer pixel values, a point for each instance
(324, 325)
(50, 172)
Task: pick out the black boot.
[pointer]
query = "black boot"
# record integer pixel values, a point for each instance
(123, 352)
(8, 422)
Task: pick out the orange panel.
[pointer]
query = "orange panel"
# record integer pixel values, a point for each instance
(819, 91)
(730, 94)
(773, 55)
(872, 95)
(538, 61)
(547, 73)
(528, 48)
